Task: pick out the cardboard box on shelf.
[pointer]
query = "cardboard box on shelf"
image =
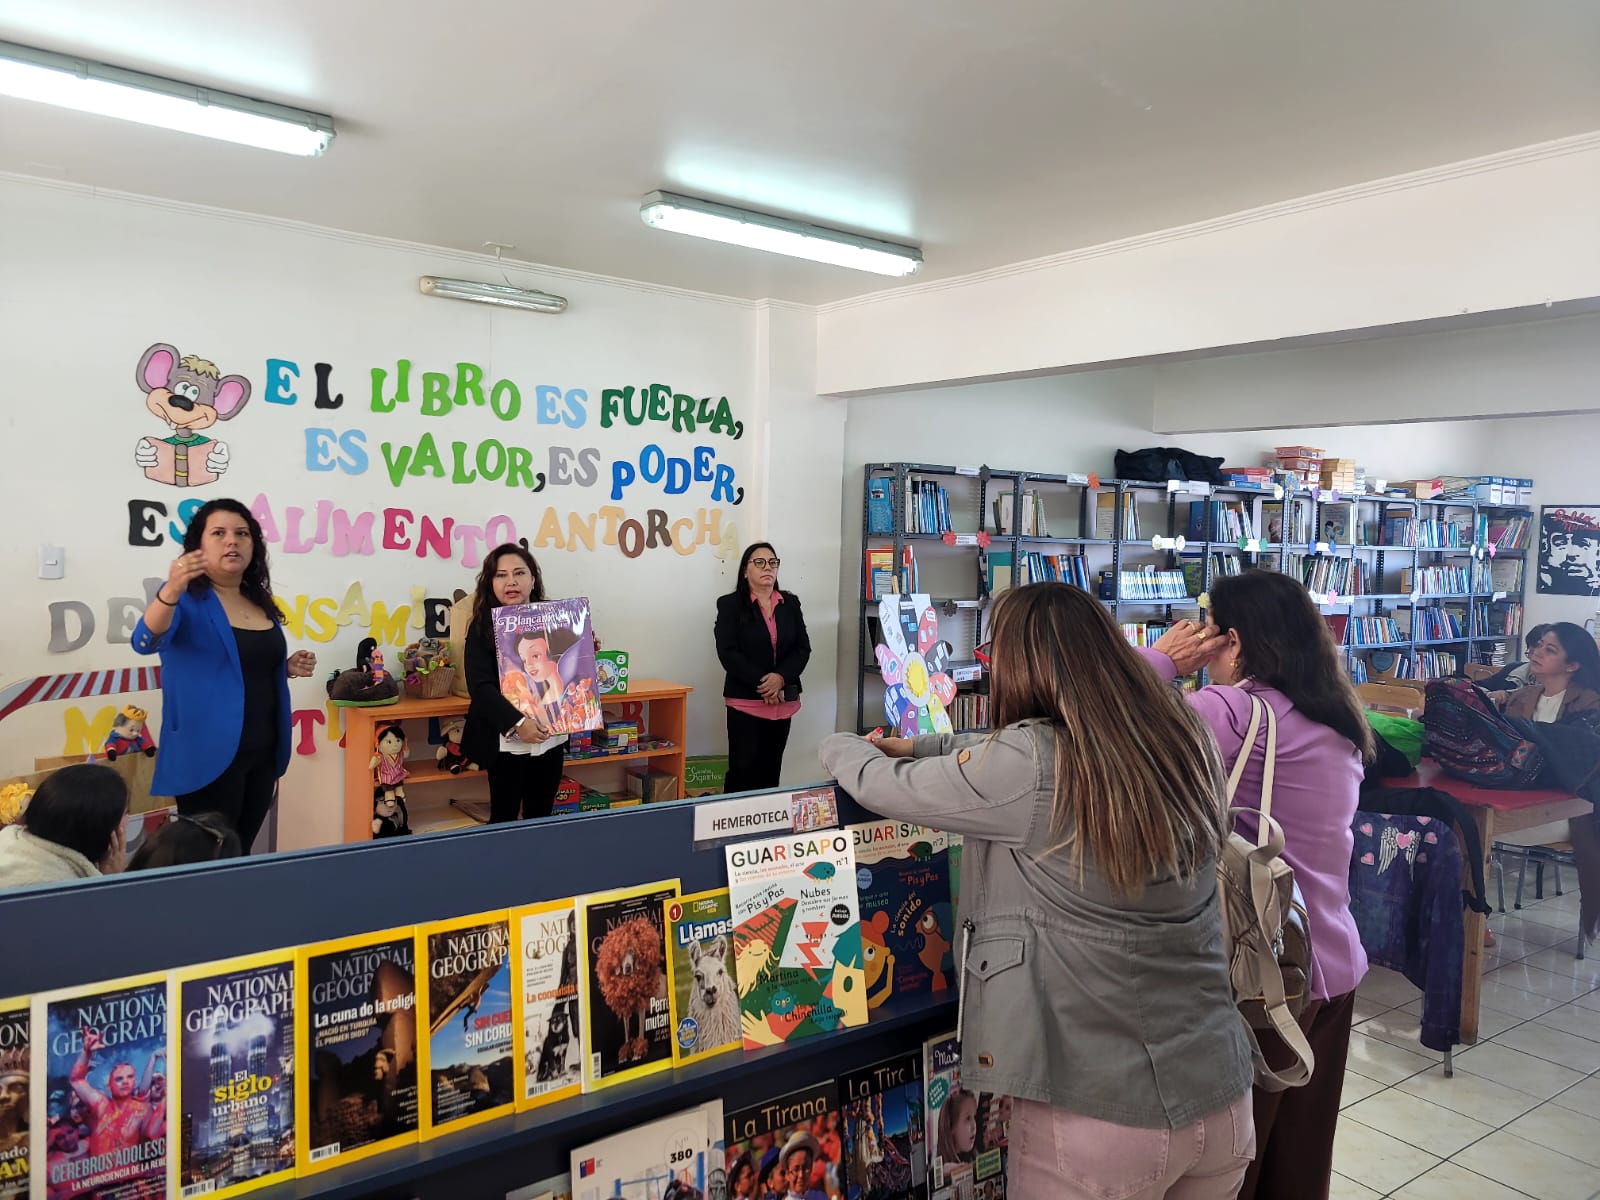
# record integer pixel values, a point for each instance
(652, 786)
(703, 774)
(1420, 489)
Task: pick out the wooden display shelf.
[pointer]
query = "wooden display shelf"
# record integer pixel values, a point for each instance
(665, 717)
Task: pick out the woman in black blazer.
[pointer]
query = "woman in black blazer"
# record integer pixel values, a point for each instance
(762, 644)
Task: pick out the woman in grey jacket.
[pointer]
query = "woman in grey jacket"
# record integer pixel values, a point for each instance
(1095, 989)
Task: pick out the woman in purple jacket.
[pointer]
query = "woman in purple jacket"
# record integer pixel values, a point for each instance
(1263, 635)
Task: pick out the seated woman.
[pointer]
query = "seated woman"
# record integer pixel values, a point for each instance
(1565, 666)
(72, 829)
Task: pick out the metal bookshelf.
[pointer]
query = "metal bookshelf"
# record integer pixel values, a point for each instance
(974, 539)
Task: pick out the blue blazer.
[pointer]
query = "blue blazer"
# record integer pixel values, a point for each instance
(202, 696)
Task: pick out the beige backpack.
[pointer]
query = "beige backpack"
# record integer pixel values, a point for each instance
(1264, 924)
(460, 619)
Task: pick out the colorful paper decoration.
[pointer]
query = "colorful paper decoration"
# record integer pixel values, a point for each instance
(914, 665)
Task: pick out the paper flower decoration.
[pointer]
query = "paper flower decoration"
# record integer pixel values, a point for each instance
(913, 662)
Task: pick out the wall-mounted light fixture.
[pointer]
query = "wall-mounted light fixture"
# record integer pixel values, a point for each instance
(91, 87)
(502, 294)
(779, 235)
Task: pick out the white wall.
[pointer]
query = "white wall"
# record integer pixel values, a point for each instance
(1508, 231)
(91, 280)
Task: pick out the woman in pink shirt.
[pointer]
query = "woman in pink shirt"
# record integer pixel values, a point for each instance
(1263, 635)
(763, 647)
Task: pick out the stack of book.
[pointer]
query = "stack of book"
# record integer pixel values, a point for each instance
(1144, 633)
(1441, 624)
(1375, 631)
(1105, 517)
(1442, 580)
(1151, 583)
(1325, 573)
(1034, 523)
(1342, 475)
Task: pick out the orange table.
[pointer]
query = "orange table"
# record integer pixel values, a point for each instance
(666, 718)
(1494, 811)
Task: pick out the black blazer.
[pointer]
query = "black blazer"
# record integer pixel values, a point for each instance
(745, 648)
(489, 714)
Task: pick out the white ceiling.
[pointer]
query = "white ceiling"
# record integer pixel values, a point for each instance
(988, 131)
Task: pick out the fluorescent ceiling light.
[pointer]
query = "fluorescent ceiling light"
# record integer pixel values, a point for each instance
(780, 235)
(91, 87)
(492, 293)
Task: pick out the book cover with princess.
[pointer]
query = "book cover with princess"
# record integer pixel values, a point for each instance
(796, 936)
(549, 1036)
(545, 653)
(627, 1016)
(885, 1143)
(466, 1040)
(705, 999)
(98, 1079)
(234, 1092)
(16, 1068)
(907, 920)
(356, 1048)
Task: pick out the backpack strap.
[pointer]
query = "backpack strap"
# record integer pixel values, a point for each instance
(1269, 767)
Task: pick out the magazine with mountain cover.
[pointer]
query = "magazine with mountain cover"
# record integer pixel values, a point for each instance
(885, 1139)
(465, 1034)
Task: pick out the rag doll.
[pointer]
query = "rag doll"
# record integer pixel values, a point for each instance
(128, 734)
(450, 756)
(389, 816)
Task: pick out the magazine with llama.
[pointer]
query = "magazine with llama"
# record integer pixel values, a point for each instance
(705, 999)
(546, 660)
(796, 936)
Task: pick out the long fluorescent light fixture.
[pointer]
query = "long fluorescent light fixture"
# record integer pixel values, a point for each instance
(502, 294)
(91, 87)
(780, 235)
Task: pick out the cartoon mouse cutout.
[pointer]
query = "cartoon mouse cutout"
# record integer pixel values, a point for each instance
(190, 395)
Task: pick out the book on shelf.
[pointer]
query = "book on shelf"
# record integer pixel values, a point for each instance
(465, 1037)
(998, 566)
(680, 1156)
(1106, 525)
(903, 894)
(1034, 523)
(927, 506)
(545, 656)
(549, 1037)
(880, 578)
(1219, 521)
(356, 1048)
(1325, 574)
(702, 974)
(797, 936)
(1434, 533)
(761, 1138)
(968, 1133)
(623, 1005)
(1501, 618)
(234, 1084)
(1376, 631)
(1337, 523)
(1512, 533)
(1299, 522)
(1143, 633)
(1398, 531)
(1152, 583)
(1426, 665)
(885, 1137)
(16, 1053)
(969, 711)
(1056, 568)
(1438, 580)
(1441, 624)
(880, 504)
(1505, 575)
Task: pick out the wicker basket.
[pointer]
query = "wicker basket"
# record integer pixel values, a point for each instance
(435, 685)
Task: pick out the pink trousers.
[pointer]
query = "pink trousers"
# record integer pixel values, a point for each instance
(1057, 1155)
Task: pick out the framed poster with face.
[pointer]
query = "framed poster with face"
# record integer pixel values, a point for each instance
(1569, 550)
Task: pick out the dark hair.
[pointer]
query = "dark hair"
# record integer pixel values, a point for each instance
(741, 590)
(1138, 786)
(79, 807)
(202, 837)
(256, 586)
(1285, 643)
(1536, 635)
(1580, 648)
(483, 601)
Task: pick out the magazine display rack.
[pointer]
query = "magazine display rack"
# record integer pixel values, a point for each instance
(126, 925)
(665, 717)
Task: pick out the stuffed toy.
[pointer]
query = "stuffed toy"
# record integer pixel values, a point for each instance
(14, 799)
(389, 815)
(450, 756)
(128, 734)
(367, 685)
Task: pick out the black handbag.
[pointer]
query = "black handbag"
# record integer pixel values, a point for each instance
(1158, 464)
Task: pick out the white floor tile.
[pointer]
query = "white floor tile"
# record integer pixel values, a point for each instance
(1502, 994)
(1564, 960)
(1535, 933)
(1592, 1000)
(1377, 1160)
(1386, 988)
(1419, 1123)
(1365, 1010)
(1358, 1087)
(1349, 1189)
(1557, 1128)
(1557, 916)
(1470, 1095)
(1491, 1021)
(1529, 1168)
(1553, 1045)
(1569, 1018)
(1514, 1069)
(1511, 948)
(1448, 1181)
(1541, 983)
(1397, 1027)
(1383, 1062)
(1584, 1098)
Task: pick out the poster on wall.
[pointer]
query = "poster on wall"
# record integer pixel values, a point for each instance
(1569, 550)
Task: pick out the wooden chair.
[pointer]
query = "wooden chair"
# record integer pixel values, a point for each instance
(1403, 698)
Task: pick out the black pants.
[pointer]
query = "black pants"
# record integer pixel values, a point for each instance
(1294, 1128)
(242, 794)
(755, 752)
(524, 785)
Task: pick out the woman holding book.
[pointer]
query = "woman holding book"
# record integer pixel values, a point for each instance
(762, 644)
(1095, 991)
(522, 755)
(1264, 637)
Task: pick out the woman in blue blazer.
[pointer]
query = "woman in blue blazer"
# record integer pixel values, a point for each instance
(225, 671)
